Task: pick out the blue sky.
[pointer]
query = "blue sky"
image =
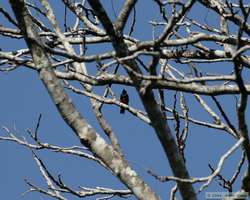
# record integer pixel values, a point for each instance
(23, 98)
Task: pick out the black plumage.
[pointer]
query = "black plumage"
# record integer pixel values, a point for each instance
(124, 98)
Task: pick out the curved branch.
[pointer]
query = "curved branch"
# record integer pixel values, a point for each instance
(155, 114)
(87, 135)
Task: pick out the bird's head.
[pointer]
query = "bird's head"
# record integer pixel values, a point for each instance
(124, 91)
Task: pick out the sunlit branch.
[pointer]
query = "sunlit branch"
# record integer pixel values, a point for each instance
(207, 179)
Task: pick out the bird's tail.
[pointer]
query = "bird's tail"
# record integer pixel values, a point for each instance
(122, 110)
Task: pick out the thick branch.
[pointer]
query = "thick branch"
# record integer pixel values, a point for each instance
(71, 116)
(154, 112)
(124, 14)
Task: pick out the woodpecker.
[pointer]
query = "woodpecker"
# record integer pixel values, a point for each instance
(124, 98)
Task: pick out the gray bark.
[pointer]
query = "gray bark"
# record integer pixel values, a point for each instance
(71, 116)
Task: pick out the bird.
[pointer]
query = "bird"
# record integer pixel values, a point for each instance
(124, 98)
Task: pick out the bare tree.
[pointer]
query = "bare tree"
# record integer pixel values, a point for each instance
(171, 60)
